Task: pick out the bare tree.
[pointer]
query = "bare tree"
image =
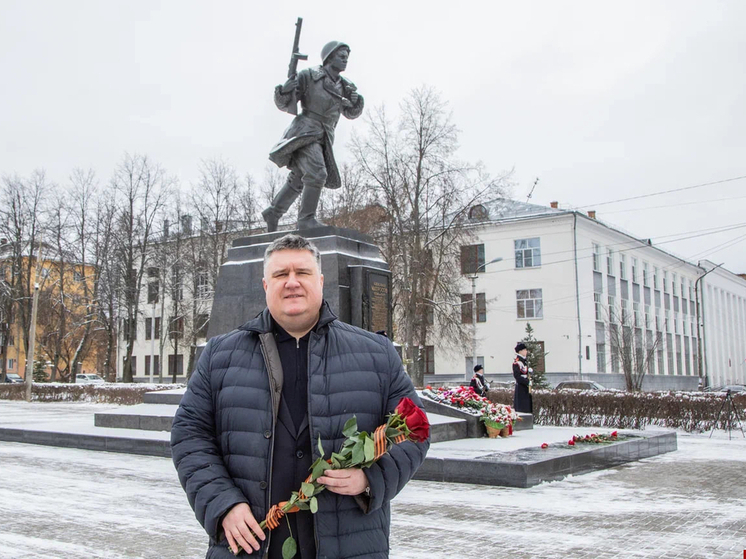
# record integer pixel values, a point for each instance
(141, 187)
(633, 350)
(411, 168)
(22, 206)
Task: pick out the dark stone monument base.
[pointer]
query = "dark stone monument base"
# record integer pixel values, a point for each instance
(357, 282)
(530, 466)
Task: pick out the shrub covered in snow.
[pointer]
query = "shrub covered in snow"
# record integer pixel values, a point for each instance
(690, 411)
(110, 393)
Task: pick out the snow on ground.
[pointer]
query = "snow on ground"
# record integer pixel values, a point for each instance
(68, 503)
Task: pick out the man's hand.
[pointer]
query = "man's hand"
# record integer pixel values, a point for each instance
(290, 86)
(351, 481)
(236, 526)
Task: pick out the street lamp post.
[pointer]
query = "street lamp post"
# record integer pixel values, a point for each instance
(474, 313)
(701, 333)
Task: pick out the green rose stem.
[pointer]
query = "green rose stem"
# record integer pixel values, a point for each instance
(358, 450)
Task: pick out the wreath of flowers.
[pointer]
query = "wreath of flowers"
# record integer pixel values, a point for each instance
(465, 399)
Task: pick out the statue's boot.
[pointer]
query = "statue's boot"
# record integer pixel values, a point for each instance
(308, 203)
(280, 205)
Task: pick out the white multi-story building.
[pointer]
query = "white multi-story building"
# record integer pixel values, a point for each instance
(723, 328)
(577, 280)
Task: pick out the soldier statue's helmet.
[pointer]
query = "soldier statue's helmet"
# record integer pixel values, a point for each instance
(330, 48)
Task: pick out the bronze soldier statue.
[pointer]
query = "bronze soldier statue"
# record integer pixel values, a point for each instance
(306, 146)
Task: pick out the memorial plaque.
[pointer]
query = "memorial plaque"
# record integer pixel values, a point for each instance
(378, 299)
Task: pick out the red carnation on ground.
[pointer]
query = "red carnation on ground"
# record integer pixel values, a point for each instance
(614, 433)
(544, 445)
(571, 442)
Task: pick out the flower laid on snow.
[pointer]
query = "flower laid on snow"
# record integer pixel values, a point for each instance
(544, 445)
(359, 450)
(594, 438)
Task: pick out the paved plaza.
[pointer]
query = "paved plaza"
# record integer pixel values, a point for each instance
(69, 503)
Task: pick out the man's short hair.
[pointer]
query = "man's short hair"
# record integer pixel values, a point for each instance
(291, 242)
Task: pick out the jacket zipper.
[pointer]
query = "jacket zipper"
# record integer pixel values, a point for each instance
(268, 501)
(310, 428)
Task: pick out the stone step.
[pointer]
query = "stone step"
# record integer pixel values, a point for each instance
(147, 417)
(164, 396)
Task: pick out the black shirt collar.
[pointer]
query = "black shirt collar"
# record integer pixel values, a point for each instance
(282, 336)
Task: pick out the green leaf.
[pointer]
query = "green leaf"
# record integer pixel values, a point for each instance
(314, 505)
(358, 453)
(289, 549)
(319, 469)
(307, 489)
(321, 448)
(370, 450)
(350, 427)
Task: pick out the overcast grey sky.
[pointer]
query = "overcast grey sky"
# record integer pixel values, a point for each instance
(599, 100)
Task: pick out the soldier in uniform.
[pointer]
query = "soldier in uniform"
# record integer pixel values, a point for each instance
(306, 146)
(522, 399)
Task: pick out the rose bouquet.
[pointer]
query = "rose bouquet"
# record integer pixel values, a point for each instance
(498, 416)
(460, 397)
(359, 450)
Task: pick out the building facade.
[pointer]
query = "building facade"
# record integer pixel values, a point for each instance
(590, 292)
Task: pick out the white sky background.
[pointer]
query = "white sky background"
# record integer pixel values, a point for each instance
(601, 101)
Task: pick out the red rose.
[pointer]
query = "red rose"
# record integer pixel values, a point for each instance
(415, 419)
(544, 445)
(571, 443)
(614, 434)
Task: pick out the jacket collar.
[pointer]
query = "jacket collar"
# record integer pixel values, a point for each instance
(262, 323)
(318, 73)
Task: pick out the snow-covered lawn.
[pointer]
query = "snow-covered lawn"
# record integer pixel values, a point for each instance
(67, 503)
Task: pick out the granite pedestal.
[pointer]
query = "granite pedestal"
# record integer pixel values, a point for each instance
(357, 281)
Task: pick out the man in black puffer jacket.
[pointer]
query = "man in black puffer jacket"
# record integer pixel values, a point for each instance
(260, 398)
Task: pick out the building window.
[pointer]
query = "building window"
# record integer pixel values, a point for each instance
(601, 358)
(623, 266)
(11, 363)
(466, 308)
(472, 258)
(429, 360)
(153, 272)
(656, 285)
(596, 258)
(478, 213)
(77, 275)
(665, 281)
(645, 274)
(176, 328)
(154, 287)
(177, 287)
(609, 261)
(530, 303)
(636, 314)
(527, 253)
(612, 308)
(176, 364)
(634, 271)
(157, 333)
(203, 285)
(599, 306)
(148, 330)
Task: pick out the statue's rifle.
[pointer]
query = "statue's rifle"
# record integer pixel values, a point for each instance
(293, 68)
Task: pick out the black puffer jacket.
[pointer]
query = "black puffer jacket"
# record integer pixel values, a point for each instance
(222, 435)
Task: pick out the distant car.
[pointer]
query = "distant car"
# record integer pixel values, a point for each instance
(503, 385)
(12, 377)
(579, 385)
(88, 379)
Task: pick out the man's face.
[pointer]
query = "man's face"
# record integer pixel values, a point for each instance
(294, 289)
(338, 59)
